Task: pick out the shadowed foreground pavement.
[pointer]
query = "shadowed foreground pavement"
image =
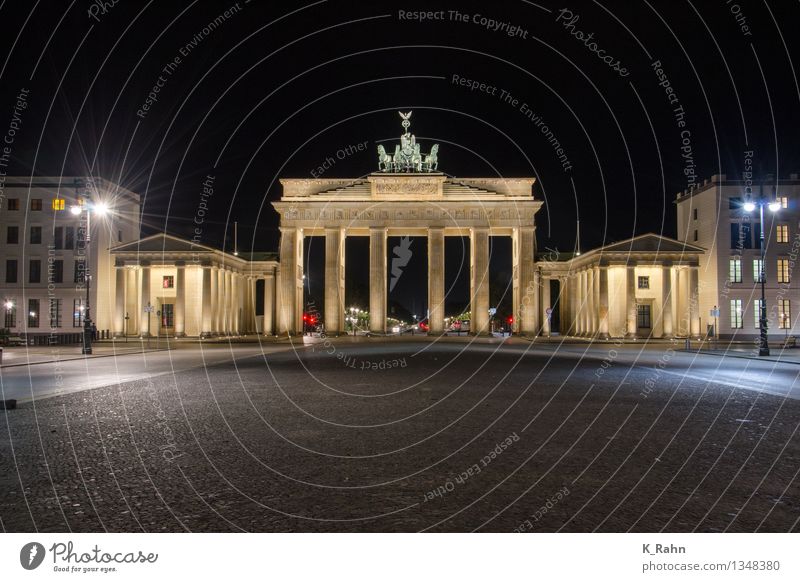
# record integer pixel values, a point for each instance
(409, 436)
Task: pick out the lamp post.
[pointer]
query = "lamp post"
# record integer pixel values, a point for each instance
(84, 205)
(750, 206)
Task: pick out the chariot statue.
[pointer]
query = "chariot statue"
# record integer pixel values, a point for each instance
(408, 156)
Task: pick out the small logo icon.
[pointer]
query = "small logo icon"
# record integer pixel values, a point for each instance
(402, 254)
(31, 555)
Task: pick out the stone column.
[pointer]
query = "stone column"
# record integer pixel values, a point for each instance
(545, 295)
(291, 256)
(180, 300)
(666, 302)
(132, 306)
(525, 288)
(215, 299)
(583, 303)
(377, 280)
(630, 301)
(694, 300)
(234, 302)
(269, 303)
(119, 307)
(228, 327)
(602, 311)
(595, 301)
(436, 280)
(479, 280)
(145, 295)
(563, 305)
(206, 325)
(334, 277)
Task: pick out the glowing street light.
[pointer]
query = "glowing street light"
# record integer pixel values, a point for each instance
(749, 206)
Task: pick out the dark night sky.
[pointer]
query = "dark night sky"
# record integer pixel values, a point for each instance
(278, 87)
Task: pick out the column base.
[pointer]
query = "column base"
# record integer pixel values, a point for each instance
(206, 335)
(180, 334)
(668, 336)
(603, 336)
(630, 335)
(118, 334)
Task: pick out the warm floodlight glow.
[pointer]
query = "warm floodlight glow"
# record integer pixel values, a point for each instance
(9, 305)
(75, 209)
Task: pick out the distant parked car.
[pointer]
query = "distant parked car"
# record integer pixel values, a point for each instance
(15, 340)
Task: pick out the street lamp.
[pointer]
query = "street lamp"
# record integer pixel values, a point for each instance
(100, 209)
(749, 206)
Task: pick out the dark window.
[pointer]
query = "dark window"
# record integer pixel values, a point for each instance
(36, 203)
(77, 313)
(33, 313)
(55, 312)
(11, 271)
(741, 236)
(13, 203)
(80, 271)
(168, 282)
(735, 203)
(643, 316)
(58, 237)
(11, 317)
(167, 315)
(58, 271)
(694, 213)
(69, 238)
(35, 271)
(644, 282)
(695, 236)
(119, 236)
(757, 234)
(12, 236)
(36, 235)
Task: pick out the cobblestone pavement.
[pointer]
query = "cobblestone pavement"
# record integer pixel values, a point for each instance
(404, 437)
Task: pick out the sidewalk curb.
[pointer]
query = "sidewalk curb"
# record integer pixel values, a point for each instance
(92, 357)
(740, 356)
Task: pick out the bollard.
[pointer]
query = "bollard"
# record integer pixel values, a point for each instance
(688, 344)
(1, 356)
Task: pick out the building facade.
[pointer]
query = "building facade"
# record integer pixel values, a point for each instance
(46, 254)
(714, 217)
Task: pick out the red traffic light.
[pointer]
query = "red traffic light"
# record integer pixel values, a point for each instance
(510, 319)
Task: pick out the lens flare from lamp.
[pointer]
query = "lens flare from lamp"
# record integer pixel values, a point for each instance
(774, 206)
(101, 208)
(749, 206)
(75, 209)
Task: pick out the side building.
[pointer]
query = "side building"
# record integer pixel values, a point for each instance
(45, 256)
(714, 216)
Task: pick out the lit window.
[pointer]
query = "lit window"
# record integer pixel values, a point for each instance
(644, 282)
(783, 270)
(58, 203)
(168, 282)
(77, 312)
(735, 270)
(757, 270)
(736, 313)
(782, 233)
(784, 313)
(757, 313)
(11, 315)
(33, 313)
(784, 200)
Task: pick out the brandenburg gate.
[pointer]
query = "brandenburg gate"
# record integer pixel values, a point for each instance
(407, 196)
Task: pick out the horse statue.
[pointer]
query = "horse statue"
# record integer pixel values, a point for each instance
(384, 160)
(397, 159)
(431, 162)
(416, 159)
